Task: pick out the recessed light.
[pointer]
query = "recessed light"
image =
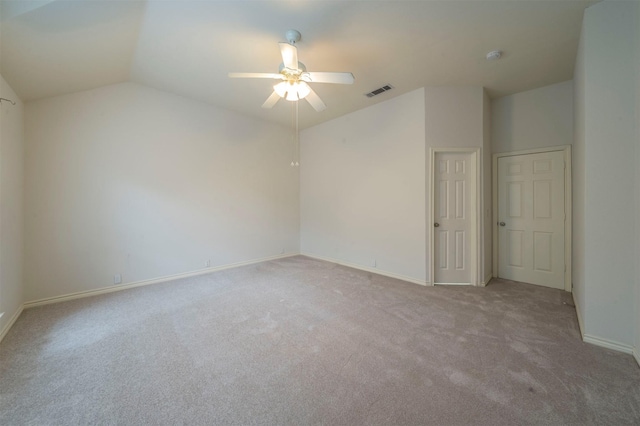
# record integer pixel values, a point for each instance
(494, 55)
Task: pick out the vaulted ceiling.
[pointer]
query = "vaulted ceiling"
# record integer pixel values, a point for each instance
(54, 47)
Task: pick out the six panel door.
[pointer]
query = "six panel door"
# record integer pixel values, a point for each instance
(531, 218)
(453, 204)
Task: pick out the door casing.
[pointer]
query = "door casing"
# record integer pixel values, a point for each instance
(566, 149)
(476, 208)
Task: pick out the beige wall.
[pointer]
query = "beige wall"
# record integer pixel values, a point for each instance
(637, 138)
(536, 118)
(454, 116)
(457, 117)
(578, 191)
(487, 187)
(362, 186)
(11, 206)
(606, 130)
(134, 181)
(364, 179)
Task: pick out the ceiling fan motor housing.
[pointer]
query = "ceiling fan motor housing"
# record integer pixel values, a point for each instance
(301, 67)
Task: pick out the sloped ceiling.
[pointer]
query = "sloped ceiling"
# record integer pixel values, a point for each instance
(186, 47)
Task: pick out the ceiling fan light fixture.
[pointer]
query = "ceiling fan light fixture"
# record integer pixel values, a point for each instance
(303, 89)
(292, 90)
(293, 76)
(281, 88)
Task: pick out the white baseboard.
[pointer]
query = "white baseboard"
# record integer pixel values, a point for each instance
(453, 284)
(158, 280)
(636, 355)
(368, 269)
(12, 321)
(487, 278)
(609, 344)
(580, 323)
(598, 341)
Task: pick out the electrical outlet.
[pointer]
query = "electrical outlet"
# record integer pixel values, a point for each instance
(117, 279)
(207, 263)
(375, 263)
(1, 314)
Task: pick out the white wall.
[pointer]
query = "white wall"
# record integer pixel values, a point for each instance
(362, 183)
(363, 179)
(134, 181)
(11, 203)
(607, 89)
(536, 118)
(456, 117)
(578, 191)
(637, 138)
(487, 187)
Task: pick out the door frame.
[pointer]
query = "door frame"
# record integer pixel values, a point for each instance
(566, 149)
(476, 209)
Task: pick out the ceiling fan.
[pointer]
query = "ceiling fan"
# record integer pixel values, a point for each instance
(295, 77)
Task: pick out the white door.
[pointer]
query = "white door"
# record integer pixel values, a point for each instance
(531, 218)
(454, 213)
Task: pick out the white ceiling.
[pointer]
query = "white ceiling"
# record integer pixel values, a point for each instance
(55, 47)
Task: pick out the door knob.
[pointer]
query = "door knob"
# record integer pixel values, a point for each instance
(502, 224)
(436, 224)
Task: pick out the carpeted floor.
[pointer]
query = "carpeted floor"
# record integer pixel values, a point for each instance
(300, 341)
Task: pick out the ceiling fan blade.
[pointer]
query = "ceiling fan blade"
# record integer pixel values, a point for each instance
(255, 75)
(315, 101)
(289, 55)
(271, 100)
(328, 77)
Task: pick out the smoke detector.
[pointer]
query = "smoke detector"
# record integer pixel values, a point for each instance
(494, 55)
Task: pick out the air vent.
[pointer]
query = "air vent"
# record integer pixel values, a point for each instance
(378, 91)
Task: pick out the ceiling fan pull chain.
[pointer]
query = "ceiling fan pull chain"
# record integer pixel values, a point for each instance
(293, 136)
(297, 147)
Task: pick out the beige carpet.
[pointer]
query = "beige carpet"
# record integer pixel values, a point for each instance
(299, 341)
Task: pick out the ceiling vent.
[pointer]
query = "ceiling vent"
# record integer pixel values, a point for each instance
(378, 91)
